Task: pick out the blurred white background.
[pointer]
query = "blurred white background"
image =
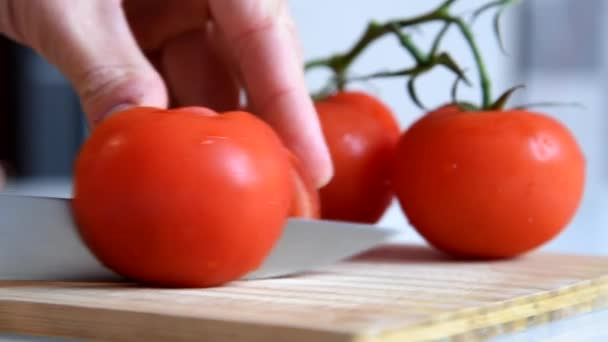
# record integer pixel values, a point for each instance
(556, 47)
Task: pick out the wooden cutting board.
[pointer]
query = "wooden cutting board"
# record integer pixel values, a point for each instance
(395, 293)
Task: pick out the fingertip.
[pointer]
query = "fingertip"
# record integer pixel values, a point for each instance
(325, 171)
(261, 37)
(314, 156)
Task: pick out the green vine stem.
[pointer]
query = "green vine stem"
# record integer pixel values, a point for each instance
(340, 63)
(484, 80)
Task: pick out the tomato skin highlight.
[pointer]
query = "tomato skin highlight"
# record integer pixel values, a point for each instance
(182, 197)
(488, 184)
(361, 133)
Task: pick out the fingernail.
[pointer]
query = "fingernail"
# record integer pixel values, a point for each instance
(325, 179)
(117, 109)
(113, 110)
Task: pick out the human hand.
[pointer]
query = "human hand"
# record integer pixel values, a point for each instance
(179, 53)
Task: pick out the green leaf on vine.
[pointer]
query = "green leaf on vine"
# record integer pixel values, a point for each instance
(446, 4)
(411, 89)
(439, 37)
(497, 31)
(481, 10)
(551, 104)
(502, 6)
(446, 60)
(407, 43)
(454, 91)
(386, 74)
(502, 100)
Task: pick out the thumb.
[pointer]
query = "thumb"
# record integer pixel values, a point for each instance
(91, 44)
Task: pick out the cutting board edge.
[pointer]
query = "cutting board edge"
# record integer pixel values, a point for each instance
(509, 316)
(60, 326)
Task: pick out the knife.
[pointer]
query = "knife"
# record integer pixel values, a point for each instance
(39, 241)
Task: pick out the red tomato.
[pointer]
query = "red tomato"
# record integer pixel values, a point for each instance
(182, 197)
(361, 133)
(488, 184)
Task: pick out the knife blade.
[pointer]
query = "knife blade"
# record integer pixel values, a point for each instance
(39, 241)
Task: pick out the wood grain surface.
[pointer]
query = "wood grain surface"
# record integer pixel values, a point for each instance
(394, 293)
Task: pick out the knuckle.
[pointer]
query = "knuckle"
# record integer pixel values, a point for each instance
(9, 19)
(253, 29)
(274, 98)
(103, 79)
(249, 40)
(260, 17)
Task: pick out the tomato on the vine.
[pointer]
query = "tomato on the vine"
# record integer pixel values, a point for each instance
(488, 184)
(184, 197)
(361, 133)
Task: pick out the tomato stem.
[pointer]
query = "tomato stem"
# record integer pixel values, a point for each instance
(385, 74)
(424, 62)
(484, 80)
(550, 104)
(439, 37)
(339, 63)
(409, 45)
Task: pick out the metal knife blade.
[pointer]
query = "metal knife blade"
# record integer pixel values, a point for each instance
(308, 244)
(39, 241)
